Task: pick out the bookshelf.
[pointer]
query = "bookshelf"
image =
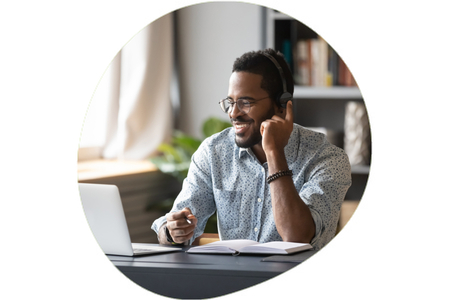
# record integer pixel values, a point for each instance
(336, 92)
(318, 103)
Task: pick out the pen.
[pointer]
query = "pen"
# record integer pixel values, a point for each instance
(188, 220)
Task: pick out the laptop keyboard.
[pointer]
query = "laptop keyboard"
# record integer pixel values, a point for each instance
(139, 250)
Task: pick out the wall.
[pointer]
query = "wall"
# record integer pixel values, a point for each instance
(210, 37)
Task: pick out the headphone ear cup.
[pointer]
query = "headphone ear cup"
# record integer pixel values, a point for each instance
(284, 98)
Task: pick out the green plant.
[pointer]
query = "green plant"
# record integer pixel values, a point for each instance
(175, 160)
(175, 157)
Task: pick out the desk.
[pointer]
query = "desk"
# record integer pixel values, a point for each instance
(199, 276)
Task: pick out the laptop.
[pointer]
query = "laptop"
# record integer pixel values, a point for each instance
(104, 211)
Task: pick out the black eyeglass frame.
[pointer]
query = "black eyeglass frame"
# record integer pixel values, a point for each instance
(243, 107)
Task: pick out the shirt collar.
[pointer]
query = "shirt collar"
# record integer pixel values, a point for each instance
(243, 151)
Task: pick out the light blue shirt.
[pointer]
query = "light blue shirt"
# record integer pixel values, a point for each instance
(231, 180)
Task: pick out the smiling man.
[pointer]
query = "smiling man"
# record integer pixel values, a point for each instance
(268, 178)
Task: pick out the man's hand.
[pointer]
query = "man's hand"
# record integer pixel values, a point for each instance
(292, 216)
(179, 227)
(276, 131)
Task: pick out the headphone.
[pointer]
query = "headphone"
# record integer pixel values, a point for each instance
(283, 98)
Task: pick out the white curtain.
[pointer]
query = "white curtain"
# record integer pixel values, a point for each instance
(137, 87)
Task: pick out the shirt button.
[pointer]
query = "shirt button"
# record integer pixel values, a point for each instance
(256, 229)
(259, 200)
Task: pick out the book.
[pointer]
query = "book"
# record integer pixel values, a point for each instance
(317, 64)
(236, 247)
(345, 76)
(302, 71)
(333, 63)
(322, 62)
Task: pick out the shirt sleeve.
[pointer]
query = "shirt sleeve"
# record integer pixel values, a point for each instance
(196, 192)
(326, 184)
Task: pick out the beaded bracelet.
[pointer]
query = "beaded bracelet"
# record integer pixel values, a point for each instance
(278, 175)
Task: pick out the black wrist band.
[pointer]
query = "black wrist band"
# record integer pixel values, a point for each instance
(169, 237)
(278, 175)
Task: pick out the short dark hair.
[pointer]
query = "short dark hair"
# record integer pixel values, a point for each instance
(257, 63)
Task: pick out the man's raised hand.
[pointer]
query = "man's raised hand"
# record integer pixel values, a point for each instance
(277, 130)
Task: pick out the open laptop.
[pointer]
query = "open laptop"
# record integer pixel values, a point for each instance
(104, 211)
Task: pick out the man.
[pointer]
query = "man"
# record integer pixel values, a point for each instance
(268, 178)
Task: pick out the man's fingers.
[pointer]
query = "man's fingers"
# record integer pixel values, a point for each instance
(182, 238)
(187, 211)
(190, 218)
(181, 234)
(289, 113)
(267, 123)
(182, 219)
(262, 127)
(182, 214)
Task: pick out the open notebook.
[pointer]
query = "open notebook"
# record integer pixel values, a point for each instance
(247, 246)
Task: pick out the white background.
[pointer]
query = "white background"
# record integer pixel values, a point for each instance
(53, 54)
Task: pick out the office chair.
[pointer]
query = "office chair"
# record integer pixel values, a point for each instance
(206, 238)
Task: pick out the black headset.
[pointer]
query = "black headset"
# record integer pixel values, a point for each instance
(283, 98)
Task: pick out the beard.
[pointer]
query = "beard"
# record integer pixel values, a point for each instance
(255, 136)
(254, 139)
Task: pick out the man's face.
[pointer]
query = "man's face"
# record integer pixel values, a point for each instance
(244, 85)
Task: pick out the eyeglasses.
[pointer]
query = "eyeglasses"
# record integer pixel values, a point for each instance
(243, 105)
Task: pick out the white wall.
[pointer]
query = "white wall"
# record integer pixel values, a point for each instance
(210, 37)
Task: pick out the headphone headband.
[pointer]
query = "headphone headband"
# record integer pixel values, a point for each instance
(285, 96)
(280, 70)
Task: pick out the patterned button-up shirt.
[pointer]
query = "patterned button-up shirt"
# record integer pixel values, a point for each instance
(230, 180)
